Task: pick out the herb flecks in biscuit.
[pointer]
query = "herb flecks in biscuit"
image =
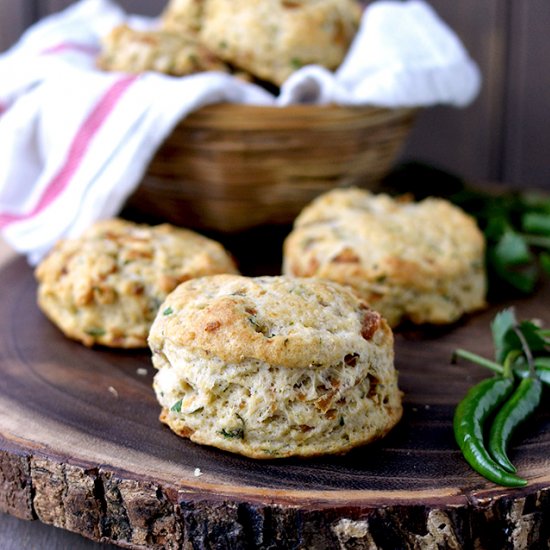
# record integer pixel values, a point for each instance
(106, 286)
(273, 366)
(269, 39)
(136, 51)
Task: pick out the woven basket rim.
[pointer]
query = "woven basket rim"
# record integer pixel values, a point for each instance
(228, 167)
(303, 108)
(242, 116)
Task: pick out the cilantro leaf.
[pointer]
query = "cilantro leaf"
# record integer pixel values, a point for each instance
(511, 249)
(533, 335)
(502, 325)
(496, 227)
(95, 331)
(521, 277)
(236, 433)
(506, 340)
(536, 222)
(176, 407)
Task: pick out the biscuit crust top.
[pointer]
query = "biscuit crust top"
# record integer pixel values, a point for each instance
(414, 245)
(137, 51)
(288, 322)
(106, 286)
(269, 38)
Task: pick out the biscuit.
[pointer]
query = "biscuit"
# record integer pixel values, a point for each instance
(183, 16)
(419, 261)
(273, 366)
(269, 38)
(106, 286)
(135, 51)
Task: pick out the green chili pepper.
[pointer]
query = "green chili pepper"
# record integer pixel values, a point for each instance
(518, 408)
(470, 415)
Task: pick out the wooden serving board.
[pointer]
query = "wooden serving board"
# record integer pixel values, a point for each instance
(81, 447)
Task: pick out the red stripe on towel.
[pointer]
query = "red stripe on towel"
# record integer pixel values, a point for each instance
(77, 150)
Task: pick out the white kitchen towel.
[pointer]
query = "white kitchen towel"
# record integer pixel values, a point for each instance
(75, 141)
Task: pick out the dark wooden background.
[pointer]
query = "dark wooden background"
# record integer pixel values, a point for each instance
(503, 136)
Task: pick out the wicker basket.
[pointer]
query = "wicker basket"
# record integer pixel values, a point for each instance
(232, 167)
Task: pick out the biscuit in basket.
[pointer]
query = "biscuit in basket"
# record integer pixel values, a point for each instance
(106, 286)
(134, 51)
(270, 38)
(419, 261)
(183, 16)
(273, 366)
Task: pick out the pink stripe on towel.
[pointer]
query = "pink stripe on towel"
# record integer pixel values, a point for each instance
(77, 150)
(72, 47)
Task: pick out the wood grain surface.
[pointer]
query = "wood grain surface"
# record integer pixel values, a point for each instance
(81, 448)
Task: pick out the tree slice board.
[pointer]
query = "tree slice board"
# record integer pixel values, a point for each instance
(81, 447)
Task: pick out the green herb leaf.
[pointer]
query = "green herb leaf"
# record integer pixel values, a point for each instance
(95, 331)
(532, 334)
(233, 433)
(176, 407)
(535, 202)
(506, 339)
(512, 249)
(502, 325)
(168, 311)
(523, 279)
(535, 222)
(496, 227)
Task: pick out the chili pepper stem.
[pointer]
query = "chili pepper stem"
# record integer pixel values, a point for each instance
(508, 361)
(526, 352)
(475, 358)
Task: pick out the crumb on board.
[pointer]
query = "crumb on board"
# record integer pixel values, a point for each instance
(113, 391)
(141, 371)
(197, 472)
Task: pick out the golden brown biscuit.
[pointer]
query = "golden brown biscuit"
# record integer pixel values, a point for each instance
(269, 38)
(106, 286)
(183, 16)
(419, 261)
(133, 51)
(273, 366)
